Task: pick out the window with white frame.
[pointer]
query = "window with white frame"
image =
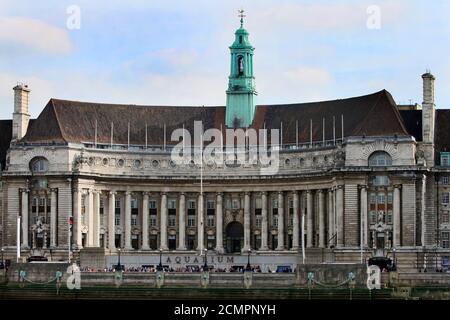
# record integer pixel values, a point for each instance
(275, 221)
(445, 239)
(172, 204)
(445, 198)
(380, 159)
(445, 217)
(152, 220)
(191, 204)
(444, 180)
(152, 204)
(134, 219)
(210, 220)
(191, 220)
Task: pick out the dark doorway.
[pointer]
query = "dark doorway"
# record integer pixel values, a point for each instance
(235, 237)
(118, 241)
(135, 241)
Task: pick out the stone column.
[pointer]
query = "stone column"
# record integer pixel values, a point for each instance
(280, 221)
(330, 217)
(340, 215)
(24, 219)
(363, 225)
(219, 223)
(321, 219)
(200, 224)
(145, 245)
(111, 221)
(246, 222)
(127, 220)
(182, 223)
(53, 218)
(163, 224)
(90, 215)
(264, 222)
(97, 221)
(396, 213)
(77, 219)
(309, 219)
(295, 227)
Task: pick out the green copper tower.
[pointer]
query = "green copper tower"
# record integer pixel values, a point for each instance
(241, 93)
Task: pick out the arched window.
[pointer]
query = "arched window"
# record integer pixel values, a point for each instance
(241, 65)
(380, 159)
(39, 165)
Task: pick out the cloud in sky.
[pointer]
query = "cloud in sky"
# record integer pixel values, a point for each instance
(176, 52)
(34, 34)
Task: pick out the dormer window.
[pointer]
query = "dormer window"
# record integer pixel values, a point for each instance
(380, 159)
(39, 165)
(240, 39)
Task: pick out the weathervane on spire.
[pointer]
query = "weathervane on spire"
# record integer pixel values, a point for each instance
(241, 15)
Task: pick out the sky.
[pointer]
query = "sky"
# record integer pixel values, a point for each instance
(175, 52)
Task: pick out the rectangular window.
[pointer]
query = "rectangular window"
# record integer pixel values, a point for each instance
(102, 206)
(172, 204)
(191, 221)
(445, 159)
(389, 217)
(211, 242)
(258, 221)
(134, 203)
(117, 220)
(172, 220)
(258, 203)
(210, 204)
(117, 206)
(275, 221)
(373, 217)
(444, 181)
(210, 221)
(445, 198)
(445, 239)
(390, 198)
(257, 241)
(134, 220)
(275, 203)
(152, 204)
(381, 198)
(235, 204)
(191, 204)
(445, 217)
(152, 220)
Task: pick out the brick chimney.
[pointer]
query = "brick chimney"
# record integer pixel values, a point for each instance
(21, 115)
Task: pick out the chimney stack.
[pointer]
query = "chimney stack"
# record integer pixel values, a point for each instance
(428, 108)
(21, 115)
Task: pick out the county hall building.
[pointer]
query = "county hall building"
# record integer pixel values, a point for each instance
(356, 178)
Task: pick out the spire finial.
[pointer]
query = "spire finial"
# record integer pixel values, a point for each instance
(241, 15)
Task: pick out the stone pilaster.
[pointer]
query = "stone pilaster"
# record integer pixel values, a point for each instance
(163, 224)
(363, 217)
(77, 219)
(111, 221)
(246, 222)
(331, 225)
(24, 219)
(219, 223)
(280, 221)
(145, 214)
(200, 224)
(321, 219)
(264, 222)
(296, 223)
(309, 219)
(182, 222)
(97, 222)
(340, 216)
(127, 223)
(90, 215)
(53, 217)
(396, 213)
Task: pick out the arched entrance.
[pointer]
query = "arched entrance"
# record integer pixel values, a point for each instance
(234, 237)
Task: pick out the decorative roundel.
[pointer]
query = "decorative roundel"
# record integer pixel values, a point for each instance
(211, 163)
(325, 159)
(191, 163)
(137, 163)
(302, 162)
(314, 160)
(155, 163)
(105, 161)
(287, 162)
(172, 164)
(91, 161)
(120, 162)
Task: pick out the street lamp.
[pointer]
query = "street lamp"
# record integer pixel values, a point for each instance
(160, 267)
(248, 268)
(205, 266)
(3, 261)
(119, 267)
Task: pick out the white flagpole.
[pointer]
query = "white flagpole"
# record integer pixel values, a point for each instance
(18, 238)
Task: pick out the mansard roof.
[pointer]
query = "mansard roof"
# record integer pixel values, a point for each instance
(64, 121)
(442, 131)
(5, 139)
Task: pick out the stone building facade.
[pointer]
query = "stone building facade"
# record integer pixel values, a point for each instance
(355, 178)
